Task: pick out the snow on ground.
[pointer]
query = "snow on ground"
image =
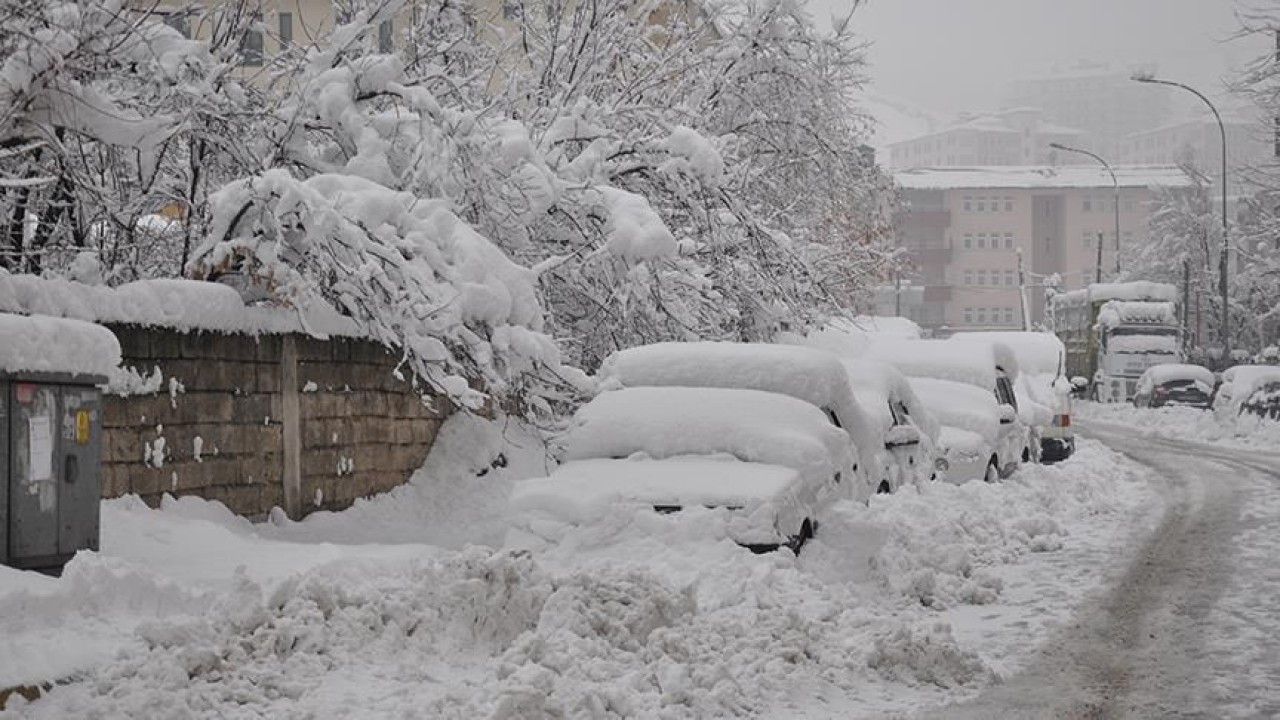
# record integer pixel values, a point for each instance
(1184, 423)
(919, 597)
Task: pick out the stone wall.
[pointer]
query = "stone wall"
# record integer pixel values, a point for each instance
(265, 421)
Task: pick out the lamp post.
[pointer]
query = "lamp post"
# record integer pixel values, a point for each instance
(1222, 262)
(1115, 185)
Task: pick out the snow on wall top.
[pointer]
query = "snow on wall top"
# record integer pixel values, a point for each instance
(1031, 176)
(1038, 353)
(171, 303)
(970, 363)
(750, 425)
(47, 344)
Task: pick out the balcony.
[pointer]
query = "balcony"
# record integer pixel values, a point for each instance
(931, 257)
(937, 293)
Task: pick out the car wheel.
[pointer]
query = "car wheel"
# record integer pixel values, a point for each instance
(993, 471)
(1026, 454)
(884, 488)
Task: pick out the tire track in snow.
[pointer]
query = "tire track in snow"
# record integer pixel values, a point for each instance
(1152, 645)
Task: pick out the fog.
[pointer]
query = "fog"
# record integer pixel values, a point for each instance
(949, 56)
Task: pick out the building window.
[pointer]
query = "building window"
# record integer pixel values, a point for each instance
(982, 316)
(1008, 241)
(1088, 204)
(968, 204)
(286, 28)
(982, 204)
(982, 277)
(1010, 277)
(1087, 239)
(1008, 316)
(968, 241)
(385, 36)
(1008, 204)
(968, 316)
(968, 277)
(1129, 205)
(251, 44)
(982, 241)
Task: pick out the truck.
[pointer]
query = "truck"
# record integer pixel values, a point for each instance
(1113, 332)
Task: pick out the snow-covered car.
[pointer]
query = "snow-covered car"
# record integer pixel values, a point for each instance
(1238, 383)
(774, 461)
(1174, 384)
(1264, 401)
(1044, 393)
(973, 439)
(890, 456)
(908, 430)
(987, 366)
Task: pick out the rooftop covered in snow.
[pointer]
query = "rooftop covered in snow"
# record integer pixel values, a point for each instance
(1039, 176)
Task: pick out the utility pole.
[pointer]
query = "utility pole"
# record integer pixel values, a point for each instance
(1097, 271)
(1186, 307)
(897, 294)
(1022, 294)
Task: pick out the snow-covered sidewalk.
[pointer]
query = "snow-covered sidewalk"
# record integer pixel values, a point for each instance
(923, 596)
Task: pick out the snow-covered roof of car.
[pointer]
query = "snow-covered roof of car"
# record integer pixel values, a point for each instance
(1038, 353)
(875, 382)
(1241, 380)
(577, 490)
(751, 425)
(960, 405)
(57, 345)
(1168, 372)
(972, 363)
(809, 374)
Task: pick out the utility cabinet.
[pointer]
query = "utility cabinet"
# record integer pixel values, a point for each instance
(50, 461)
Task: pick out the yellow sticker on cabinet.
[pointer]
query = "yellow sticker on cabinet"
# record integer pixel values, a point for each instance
(82, 427)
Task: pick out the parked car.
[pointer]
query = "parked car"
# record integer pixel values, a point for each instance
(989, 367)
(1237, 384)
(774, 461)
(1264, 401)
(1174, 384)
(1044, 393)
(974, 439)
(890, 457)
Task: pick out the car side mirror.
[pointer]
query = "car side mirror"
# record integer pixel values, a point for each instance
(900, 435)
(1008, 414)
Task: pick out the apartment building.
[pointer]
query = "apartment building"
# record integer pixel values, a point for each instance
(1020, 136)
(1101, 100)
(974, 234)
(1197, 143)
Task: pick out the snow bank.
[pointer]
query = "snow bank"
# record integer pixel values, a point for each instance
(184, 305)
(1223, 428)
(639, 615)
(48, 344)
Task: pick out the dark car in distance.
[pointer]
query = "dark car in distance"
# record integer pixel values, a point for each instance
(1263, 402)
(1175, 384)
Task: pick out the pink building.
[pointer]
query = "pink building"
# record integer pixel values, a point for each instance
(967, 228)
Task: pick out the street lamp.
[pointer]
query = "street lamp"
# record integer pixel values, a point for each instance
(1222, 263)
(1115, 184)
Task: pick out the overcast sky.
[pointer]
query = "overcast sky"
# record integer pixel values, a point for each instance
(947, 56)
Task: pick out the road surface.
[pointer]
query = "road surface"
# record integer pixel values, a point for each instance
(1191, 629)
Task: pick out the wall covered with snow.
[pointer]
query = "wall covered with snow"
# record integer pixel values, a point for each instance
(276, 420)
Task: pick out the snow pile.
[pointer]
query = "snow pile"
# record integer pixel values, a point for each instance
(1188, 423)
(1238, 383)
(48, 344)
